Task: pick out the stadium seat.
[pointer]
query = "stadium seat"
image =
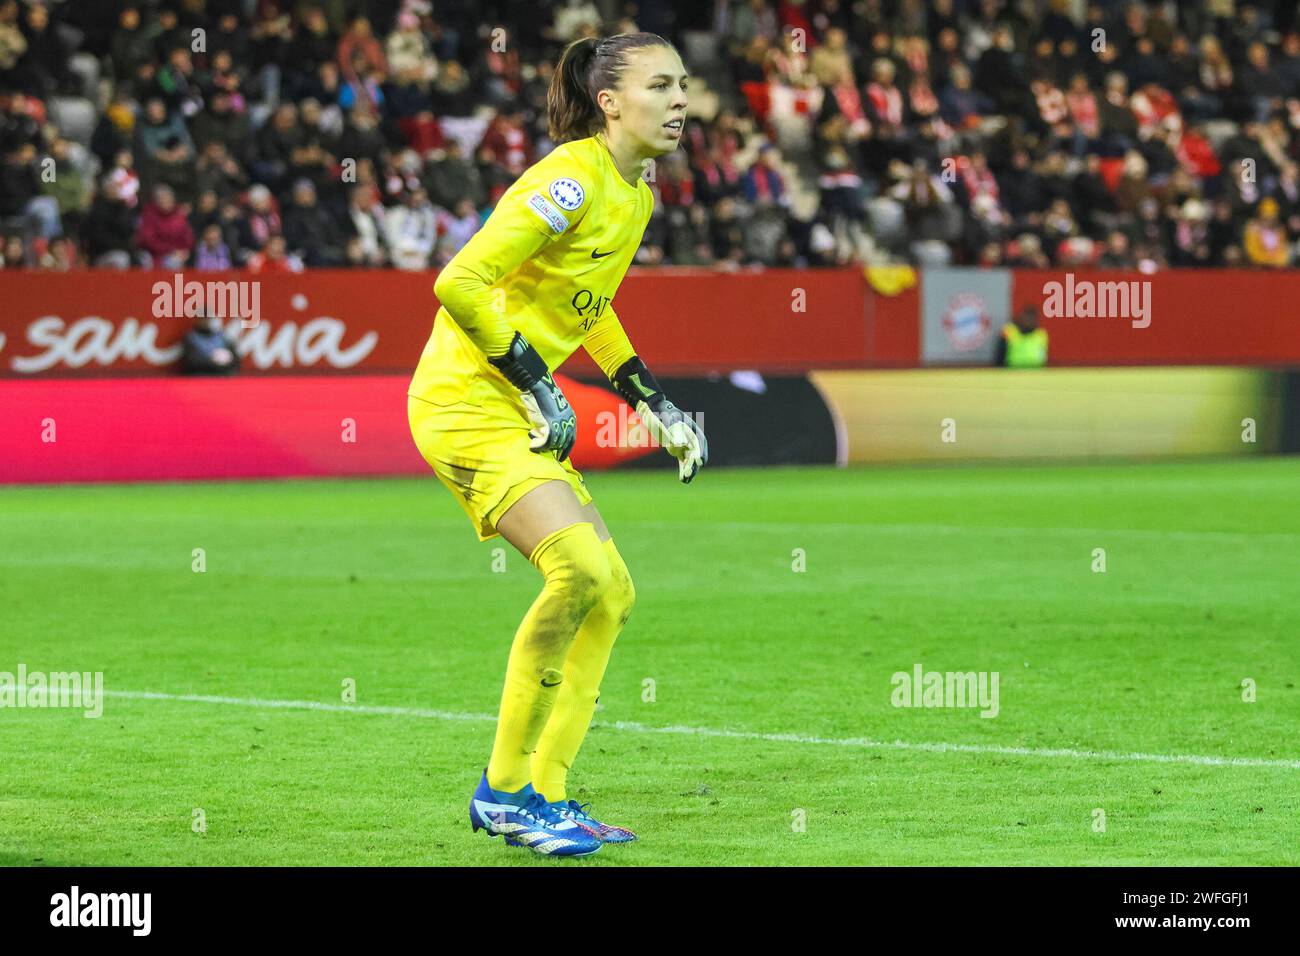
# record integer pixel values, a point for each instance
(888, 226)
(932, 253)
(87, 68)
(700, 50)
(75, 116)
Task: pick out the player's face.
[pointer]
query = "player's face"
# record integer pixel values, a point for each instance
(652, 101)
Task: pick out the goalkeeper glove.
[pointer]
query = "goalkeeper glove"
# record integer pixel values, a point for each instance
(555, 427)
(668, 425)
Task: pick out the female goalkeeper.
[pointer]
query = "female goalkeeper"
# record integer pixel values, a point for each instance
(531, 286)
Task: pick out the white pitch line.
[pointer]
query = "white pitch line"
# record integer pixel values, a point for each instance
(1199, 760)
(301, 705)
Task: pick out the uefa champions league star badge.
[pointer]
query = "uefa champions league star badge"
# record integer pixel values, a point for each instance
(567, 193)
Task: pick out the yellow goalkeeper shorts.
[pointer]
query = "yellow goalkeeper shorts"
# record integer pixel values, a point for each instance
(481, 453)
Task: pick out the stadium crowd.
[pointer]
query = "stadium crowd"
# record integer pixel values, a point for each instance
(276, 135)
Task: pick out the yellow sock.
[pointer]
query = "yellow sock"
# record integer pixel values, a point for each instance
(576, 573)
(584, 669)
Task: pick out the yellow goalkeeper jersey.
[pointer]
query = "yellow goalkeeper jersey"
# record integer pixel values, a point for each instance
(547, 263)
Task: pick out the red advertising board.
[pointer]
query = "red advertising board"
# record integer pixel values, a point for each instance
(681, 321)
(1213, 317)
(177, 429)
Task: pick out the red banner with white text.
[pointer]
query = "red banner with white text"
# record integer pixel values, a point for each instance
(681, 321)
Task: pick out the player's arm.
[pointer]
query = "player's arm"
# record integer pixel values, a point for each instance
(520, 227)
(608, 345)
(465, 285)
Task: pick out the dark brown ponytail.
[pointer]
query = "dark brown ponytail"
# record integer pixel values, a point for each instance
(586, 67)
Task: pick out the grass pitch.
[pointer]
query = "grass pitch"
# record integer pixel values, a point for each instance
(770, 737)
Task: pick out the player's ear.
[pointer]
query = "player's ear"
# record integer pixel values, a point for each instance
(607, 100)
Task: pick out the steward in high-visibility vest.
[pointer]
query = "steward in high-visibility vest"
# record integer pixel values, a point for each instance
(1024, 342)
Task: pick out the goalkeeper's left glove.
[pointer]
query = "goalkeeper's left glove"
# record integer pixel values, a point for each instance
(671, 427)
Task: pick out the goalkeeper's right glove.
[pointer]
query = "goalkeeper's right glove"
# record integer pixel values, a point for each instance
(555, 427)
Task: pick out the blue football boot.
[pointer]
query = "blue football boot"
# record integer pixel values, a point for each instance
(525, 819)
(579, 814)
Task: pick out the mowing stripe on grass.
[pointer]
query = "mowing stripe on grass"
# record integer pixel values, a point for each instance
(1200, 760)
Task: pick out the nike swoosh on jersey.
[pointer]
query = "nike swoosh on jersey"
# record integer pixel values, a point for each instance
(602, 255)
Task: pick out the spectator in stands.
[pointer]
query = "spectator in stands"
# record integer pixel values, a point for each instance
(363, 85)
(122, 174)
(222, 122)
(359, 52)
(261, 222)
(412, 230)
(165, 149)
(574, 18)
(1190, 246)
(115, 130)
(1261, 87)
(455, 228)
(218, 171)
(997, 76)
(43, 69)
(313, 156)
(1181, 106)
(449, 177)
(310, 232)
(313, 45)
(212, 254)
(67, 186)
(409, 55)
(275, 259)
(727, 235)
(448, 95)
(275, 145)
(508, 143)
(1117, 254)
(366, 225)
(831, 59)
(763, 183)
(362, 138)
(131, 47)
(177, 81)
(14, 254)
(1288, 197)
(716, 174)
(1265, 239)
(205, 211)
(164, 236)
(325, 86)
(110, 229)
(688, 236)
(20, 192)
(961, 105)
(231, 38)
(272, 37)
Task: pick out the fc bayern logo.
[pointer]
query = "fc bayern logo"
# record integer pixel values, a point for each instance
(966, 321)
(567, 193)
